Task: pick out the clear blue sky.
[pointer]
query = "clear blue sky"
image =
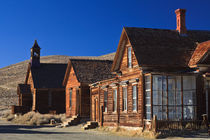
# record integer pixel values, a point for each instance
(85, 28)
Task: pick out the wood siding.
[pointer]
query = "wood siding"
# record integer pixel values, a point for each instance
(80, 97)
(124, 61)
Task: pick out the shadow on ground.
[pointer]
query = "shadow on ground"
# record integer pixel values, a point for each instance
(22, 129)
(184, 134)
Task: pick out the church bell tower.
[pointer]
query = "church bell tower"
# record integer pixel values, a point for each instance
(35, 55)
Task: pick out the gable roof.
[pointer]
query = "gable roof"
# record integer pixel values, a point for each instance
(200, 52)
(48, 75)
(89, 70)
(159, 47)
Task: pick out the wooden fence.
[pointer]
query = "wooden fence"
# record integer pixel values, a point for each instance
(159, 125)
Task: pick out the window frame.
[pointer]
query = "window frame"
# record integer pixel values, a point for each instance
(114, 96)
(70, 97)
(125, 87)
(136, 109)
(178, 95)
(106, 100)
(129, 54)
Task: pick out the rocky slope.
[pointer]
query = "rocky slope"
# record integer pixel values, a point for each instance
(11, 75)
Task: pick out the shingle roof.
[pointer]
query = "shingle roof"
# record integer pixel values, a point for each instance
(159, 47)
(24, 89)
(48, 75)
(90, 71)
(199, 52)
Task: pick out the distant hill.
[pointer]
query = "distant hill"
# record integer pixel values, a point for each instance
(11, 75)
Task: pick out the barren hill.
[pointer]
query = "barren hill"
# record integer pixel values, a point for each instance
(11, 75)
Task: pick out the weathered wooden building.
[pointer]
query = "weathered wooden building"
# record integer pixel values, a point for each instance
(158, 72)
(79, 74)
(43, 90)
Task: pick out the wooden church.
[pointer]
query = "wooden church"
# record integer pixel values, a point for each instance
(42, 90)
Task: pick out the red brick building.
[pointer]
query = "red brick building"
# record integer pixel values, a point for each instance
(158, 72)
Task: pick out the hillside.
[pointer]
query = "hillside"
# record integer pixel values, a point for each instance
(11, 75)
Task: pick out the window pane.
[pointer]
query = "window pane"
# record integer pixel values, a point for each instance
(189, 82)
(148, 83)
(178, 98)
(124, 98)
(157, 82)
(171, 113)
(171, 97)
(157, 97)
(164, 113)
(157, 110)
(189, 97)
(148, 100)
(188, 112)
(134, 97)
(178, 83)
(115, 100)
(148, 116)
(178, 112)
(164, 97)
(148, 108)
(129, 58)
(105, 101)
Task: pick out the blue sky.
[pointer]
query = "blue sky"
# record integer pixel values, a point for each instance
(85, 28)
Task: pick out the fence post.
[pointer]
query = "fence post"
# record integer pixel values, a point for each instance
(154, 123)
(205, 120)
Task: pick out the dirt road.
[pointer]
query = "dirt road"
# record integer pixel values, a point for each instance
(9, 131)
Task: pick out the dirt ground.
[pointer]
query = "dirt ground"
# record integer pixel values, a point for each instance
(9, 131)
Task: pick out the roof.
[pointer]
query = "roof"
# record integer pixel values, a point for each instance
(24, 88)
(89, 71)
(48, 75)
(160, 47)
(199, 53)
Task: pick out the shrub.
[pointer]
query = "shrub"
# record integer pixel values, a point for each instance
(35, 118)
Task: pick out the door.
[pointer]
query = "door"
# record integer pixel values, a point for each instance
(78, 102)
(96, 117)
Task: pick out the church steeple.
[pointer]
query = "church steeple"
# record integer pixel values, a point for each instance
(35, 55)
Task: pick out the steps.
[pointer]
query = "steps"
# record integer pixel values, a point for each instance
(90, 125)
(74, 120)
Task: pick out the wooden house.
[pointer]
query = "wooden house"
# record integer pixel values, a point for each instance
(42, 90)
(159, 72)
(79, 74)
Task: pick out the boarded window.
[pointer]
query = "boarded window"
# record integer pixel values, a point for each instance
(129, 57)
(105, 100)
(134, 97)
(125, 98)
(115, 100)
(70, 98)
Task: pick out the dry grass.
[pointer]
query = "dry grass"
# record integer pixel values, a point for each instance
(34, 118)
(128, 132)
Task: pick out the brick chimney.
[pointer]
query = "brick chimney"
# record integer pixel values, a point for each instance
(180, 21)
